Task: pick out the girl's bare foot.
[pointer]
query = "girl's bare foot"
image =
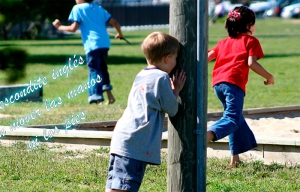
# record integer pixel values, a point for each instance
(210, 136)
(110, 97)
(110, 102)
(235, 161)
(99, 102)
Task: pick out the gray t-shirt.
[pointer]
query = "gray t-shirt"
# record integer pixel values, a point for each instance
(138, 133)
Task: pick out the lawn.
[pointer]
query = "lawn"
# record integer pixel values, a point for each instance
(50, 169)
(53, 169)
(278, 39)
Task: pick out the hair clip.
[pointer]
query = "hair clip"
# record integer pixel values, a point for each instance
(234, 14)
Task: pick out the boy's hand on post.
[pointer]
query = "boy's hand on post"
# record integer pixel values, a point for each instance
(179, 80)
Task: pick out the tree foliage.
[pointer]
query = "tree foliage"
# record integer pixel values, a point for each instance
(34, 12)
(13, 62)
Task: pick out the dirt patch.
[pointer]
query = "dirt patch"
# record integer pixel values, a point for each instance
(295, 21)
(272, 125)
(5, 116)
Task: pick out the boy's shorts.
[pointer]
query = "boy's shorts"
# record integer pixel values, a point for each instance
(125, 173)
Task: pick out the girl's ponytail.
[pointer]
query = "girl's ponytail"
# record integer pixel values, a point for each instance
(239, 20)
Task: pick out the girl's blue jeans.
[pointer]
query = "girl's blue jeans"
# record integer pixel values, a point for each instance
(233, 123)
(96, 62)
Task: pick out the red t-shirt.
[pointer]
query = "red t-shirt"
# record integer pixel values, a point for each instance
(232, 59)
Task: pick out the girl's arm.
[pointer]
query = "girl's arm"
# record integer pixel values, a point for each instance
(211, 55)
(70, 28)
(257, 68)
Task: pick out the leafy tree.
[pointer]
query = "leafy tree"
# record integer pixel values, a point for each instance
(13, 62)
(34, 12)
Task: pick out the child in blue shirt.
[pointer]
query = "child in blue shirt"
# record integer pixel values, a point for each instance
(137, 136)
(91, 19)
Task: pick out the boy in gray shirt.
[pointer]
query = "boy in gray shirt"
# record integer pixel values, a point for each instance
(137, 136)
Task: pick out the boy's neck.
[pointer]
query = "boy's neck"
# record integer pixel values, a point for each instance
(159, 65)
(147, 68)
(150, 66)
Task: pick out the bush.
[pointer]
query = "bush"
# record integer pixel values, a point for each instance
(13, 62)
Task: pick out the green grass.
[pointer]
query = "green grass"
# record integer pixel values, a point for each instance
(278, 39)
(46, 56)
(53, 169)
(48, 169)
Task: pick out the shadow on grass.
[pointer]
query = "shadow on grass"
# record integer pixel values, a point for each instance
(63, 59)
(281, 55)
(67, 44)
(50, 59)
(214, 43)
(277, 36)
(115, 60)
(42, 44)
(122, 43)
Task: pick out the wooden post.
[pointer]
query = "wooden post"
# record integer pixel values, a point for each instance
(187, 130)
(202, 41)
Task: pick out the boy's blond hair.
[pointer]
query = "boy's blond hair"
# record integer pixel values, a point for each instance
(157, 45)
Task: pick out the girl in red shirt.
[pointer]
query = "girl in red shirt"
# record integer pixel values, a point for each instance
(234, 56)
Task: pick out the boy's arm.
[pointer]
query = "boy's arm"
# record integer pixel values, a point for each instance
(257, 68)
(70, 28)
(177, 84)
(168, 97)
(117, 26)
(211, 55)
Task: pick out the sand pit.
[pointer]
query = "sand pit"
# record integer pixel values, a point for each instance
(272, 125)
(262, 125)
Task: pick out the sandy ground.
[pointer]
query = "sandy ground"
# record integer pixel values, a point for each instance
(273, 125)
(268, 125)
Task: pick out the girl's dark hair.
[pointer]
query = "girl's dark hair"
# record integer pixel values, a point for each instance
(89, 1)
(239, 20)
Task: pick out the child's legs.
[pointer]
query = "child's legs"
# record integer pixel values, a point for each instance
(104, 70)
(125, 173)
(232, 99)
(93, 63)
(242, 139)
